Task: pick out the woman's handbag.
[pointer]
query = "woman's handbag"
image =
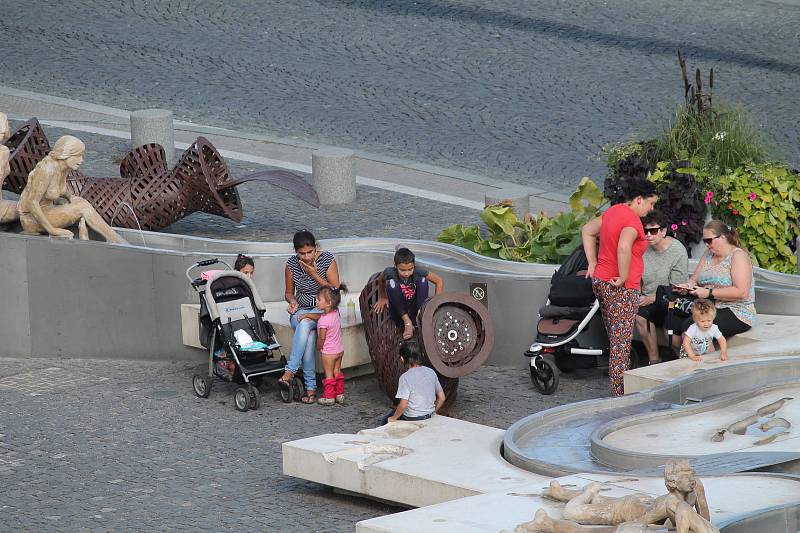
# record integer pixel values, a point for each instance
(677, 303)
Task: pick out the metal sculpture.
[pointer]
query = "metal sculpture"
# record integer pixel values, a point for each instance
(148, 195)
(439, 341)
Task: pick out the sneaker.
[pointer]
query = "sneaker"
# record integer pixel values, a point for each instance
(339, 398)
(326, 401)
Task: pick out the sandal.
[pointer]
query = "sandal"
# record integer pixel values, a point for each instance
(309, 398)
(408, 331)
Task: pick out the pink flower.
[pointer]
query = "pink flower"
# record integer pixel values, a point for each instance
(752, 196)
(709, 196)
(684, 222)
(674, 227)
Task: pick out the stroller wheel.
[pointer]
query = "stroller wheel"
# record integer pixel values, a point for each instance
(544, 375)
(255, 398)
(285, 390)
(297, 389)
(202, 385)
(241, 399)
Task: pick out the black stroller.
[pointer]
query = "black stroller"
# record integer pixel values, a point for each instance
(241, 343)
(570, 333)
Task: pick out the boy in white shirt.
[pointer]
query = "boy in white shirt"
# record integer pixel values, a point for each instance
(699, 337)
(418, 389)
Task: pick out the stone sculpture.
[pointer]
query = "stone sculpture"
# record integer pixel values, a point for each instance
(5, 129)
(8, 209)
(740, 427)
(148, 195)
(684, 505)
(48, 206)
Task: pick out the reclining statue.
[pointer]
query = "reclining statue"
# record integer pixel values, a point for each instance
(684, 505)
(46, 205)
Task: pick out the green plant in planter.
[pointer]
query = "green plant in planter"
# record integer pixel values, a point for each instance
(762, 202)
(535, 238)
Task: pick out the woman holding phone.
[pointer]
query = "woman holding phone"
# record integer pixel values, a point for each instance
(724, 275)
(306, 272)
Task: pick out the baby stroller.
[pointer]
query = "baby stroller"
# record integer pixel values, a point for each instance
(241, 344)
(570, 334)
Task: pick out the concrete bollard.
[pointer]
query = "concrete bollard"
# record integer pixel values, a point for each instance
(520, 198)
(154, 126)
(334, 176)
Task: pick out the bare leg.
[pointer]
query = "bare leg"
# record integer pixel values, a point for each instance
(83, 233)
(647, 332)
(96, 222)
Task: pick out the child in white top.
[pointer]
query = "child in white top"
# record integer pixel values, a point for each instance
(699, 337)
(419, 392)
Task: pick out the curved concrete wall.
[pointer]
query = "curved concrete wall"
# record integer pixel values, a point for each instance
(91, 299)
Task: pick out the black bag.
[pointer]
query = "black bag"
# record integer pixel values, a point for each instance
(679, 304)
(571, 291)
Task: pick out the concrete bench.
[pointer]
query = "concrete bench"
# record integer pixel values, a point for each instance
(356, 360)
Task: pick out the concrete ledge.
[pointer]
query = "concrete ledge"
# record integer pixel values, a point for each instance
(774, 335)
(410, 463)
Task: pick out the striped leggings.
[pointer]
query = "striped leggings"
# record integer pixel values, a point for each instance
(618, 306)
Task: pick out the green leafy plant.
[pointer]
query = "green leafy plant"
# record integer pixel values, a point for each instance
(534, 238)
(762, 202)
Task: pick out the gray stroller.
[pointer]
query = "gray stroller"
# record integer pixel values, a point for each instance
(241, 344)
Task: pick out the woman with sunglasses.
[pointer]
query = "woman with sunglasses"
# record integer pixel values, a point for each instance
(724, 274)
(665, 263)
(616, 269)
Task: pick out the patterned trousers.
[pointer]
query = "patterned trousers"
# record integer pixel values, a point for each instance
(618, 306)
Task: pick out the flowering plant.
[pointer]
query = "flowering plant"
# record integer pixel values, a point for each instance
(763, 203)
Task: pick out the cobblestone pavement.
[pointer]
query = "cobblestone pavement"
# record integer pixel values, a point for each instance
(521, 90)
(272, 214)
(93, 445)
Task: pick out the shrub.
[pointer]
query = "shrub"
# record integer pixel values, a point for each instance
(535, 238)
(761, 202)
(722, 137)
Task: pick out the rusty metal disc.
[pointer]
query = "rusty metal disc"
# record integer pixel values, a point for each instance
(456, 333)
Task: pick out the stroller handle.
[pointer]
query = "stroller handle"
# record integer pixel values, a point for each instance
(204, 263)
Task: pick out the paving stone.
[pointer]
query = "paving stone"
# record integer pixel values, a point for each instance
(208, 467)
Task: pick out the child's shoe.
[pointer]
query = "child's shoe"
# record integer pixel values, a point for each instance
(339, 387)
(328, 392)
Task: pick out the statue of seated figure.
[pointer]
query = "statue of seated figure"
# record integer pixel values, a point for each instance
(46, 204)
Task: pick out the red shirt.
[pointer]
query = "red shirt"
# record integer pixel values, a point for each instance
(614, 220)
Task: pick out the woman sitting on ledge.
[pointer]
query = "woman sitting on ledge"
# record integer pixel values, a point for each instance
(306, 272)
(724, 275)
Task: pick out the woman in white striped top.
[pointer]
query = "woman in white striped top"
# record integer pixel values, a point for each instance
(306, 272)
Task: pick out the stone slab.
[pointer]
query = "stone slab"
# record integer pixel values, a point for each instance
(774, 335)
(409, 463)
(503, 511)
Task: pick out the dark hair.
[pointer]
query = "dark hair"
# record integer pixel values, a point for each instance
(242, 261)
(333, 294)
(410, 353)
(303, 238)
(655, 217)
(403, 255)
(720, 228)
(635, 187)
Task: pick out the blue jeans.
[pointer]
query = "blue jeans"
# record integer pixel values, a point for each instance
(385, 419)
(304, 346)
